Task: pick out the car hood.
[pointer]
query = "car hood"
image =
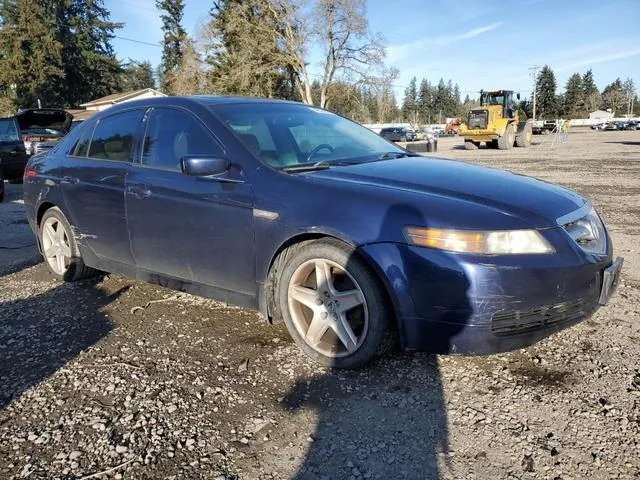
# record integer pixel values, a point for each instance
(534, 201)
(52, 118)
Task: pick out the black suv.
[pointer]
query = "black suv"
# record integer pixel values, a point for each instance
(27, 133)
(398, 134)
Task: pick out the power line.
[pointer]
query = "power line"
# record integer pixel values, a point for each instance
(138, 41)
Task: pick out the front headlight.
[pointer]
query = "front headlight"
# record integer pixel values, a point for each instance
(503, 242)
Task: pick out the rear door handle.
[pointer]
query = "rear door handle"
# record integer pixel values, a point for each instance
(139, 191)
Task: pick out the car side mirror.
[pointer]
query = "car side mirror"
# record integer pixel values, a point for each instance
(204, 166)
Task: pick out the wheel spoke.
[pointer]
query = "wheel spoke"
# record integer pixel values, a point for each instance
(304, 295)
(316, 330)
(49, 252)
(348, 300)
(66, 250)
(50, 232)
(344, 332)
(60, 263)
(324, 280)
(60, 231)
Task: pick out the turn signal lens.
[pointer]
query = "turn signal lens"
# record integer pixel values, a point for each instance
(506, 242)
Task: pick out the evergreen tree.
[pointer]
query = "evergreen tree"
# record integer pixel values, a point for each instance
(547, 102)
(425, 101)
(573, 104)
(91, 69)
(30, 54)
(591, 95)
(410, 102)
(173, 41)
(137, 75)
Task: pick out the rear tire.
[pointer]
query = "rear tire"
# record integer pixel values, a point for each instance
(525, 136)
(342, 322)
(59, 248)
(470, 145)
(506, 141)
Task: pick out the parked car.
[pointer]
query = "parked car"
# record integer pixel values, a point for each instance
(13, 155)
(598, 126)
(41, 128)
(398, 134)
(316, 220)
(610, 126)
(633, 125)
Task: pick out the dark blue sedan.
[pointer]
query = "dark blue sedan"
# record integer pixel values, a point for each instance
(310, 218)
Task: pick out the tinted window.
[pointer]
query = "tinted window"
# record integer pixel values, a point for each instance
(82, 145)
(8, 130)
(173, 134)
(114, 136)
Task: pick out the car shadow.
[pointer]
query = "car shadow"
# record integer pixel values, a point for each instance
(626, 142)
(41, 333)
(386, 420)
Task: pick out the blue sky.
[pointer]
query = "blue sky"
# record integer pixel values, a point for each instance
(478, 44)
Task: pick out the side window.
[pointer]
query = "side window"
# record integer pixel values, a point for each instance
(8, 130)
(114, 136)
(173, 134)
(81, 147)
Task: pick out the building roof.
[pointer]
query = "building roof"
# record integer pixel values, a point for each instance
(120, 97)
(81, 114)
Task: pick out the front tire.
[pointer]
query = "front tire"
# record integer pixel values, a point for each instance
(60, 249)
(333, 305)
(506, 140)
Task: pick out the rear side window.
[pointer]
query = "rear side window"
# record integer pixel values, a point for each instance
(81, 147)
(8, 130)
(114, 136)
(172, 134)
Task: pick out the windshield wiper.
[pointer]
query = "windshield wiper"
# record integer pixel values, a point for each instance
(388, 155)
(312, 167)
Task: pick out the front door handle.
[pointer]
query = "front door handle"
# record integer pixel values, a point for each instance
(139, 191)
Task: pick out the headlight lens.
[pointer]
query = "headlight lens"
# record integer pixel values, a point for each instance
(588, 232)
(504, 242)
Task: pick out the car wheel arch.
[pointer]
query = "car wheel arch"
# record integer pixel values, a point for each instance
(267, 303)
(42, 208)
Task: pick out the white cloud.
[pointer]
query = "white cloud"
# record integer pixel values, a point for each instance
(401, 51)
(599, 59)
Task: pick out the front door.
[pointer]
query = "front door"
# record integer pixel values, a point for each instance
(93, 184)
(198, 229)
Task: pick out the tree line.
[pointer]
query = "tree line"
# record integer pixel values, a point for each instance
(60, 53)
(581, 96)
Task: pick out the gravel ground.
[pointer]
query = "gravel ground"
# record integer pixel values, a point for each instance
(189, 388)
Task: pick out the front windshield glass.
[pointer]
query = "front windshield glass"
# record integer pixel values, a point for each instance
(492, 99)
(289, 135)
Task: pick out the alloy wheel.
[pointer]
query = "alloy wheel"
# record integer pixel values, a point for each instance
(56, 245)
(328, 308)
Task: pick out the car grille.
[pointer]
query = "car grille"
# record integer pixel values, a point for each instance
(509, 322)
(477, 119)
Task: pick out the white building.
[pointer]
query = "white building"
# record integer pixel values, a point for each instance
(111, 100)
(600, 115)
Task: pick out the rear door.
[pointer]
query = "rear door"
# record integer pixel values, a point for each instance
(198, 229)
(13, 155)
(94, 180)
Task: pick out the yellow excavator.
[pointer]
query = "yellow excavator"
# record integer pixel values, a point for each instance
(496, 122)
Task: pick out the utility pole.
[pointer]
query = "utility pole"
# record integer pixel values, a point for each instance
(534, 74)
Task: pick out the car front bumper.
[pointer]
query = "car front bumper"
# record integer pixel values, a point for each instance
(461, 304)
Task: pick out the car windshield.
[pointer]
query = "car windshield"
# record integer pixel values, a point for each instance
(8, 131)
(289, 135)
